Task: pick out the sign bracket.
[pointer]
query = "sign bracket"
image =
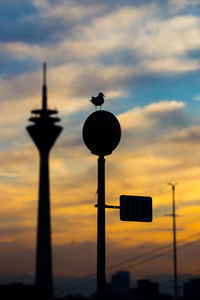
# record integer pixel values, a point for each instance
(110, 206)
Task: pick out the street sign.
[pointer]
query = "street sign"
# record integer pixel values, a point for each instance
(135, 208)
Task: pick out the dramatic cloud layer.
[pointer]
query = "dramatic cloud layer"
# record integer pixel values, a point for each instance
(145, 57)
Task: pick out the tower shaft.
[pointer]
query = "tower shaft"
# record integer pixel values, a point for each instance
(44, 253)
(44, 134)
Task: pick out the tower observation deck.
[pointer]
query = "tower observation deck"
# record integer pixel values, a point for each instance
(44, 133)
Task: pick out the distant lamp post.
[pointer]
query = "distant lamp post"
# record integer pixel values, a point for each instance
(101, 134)
(174, 239)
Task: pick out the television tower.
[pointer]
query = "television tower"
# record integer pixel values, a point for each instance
(44, 133)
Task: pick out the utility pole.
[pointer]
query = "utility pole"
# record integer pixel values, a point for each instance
(174, 239)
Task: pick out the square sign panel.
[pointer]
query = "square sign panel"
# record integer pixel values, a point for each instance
(135, 208)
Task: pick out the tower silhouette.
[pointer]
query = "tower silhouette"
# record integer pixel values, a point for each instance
(44, 133)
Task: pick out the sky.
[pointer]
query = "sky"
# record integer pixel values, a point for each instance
(145, 57)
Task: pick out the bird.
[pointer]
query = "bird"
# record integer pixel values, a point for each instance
(99, 100)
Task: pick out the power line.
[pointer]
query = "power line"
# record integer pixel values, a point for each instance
(192, 274)
(81, 281)
(74, 281)
(151, 252)
(129, 260)
(78, 285)
(159, 255)
(183, 279)
(138, 257)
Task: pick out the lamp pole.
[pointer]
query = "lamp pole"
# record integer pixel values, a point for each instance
(101, 244)
(174, 239)
(101, 134)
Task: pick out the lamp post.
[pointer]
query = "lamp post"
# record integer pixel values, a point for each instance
(174, 239)
(101, 134)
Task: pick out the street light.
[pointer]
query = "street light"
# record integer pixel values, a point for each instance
(101, 134)
(174, 238)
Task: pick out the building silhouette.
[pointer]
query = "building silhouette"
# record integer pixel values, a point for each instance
(121, 283)
(44, 133)
(191, 289)
(18, 291)
(146, 288)
(119, 286)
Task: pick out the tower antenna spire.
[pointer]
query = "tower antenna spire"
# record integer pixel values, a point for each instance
(44, 72)
(44, 89)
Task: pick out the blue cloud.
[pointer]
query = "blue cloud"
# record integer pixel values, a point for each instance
(20, 23)
(11, 15)
(12, 67)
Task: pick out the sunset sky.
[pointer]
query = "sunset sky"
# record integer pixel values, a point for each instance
(145, 57)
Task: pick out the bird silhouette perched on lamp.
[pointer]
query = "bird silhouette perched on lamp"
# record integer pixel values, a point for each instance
(99, 100)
